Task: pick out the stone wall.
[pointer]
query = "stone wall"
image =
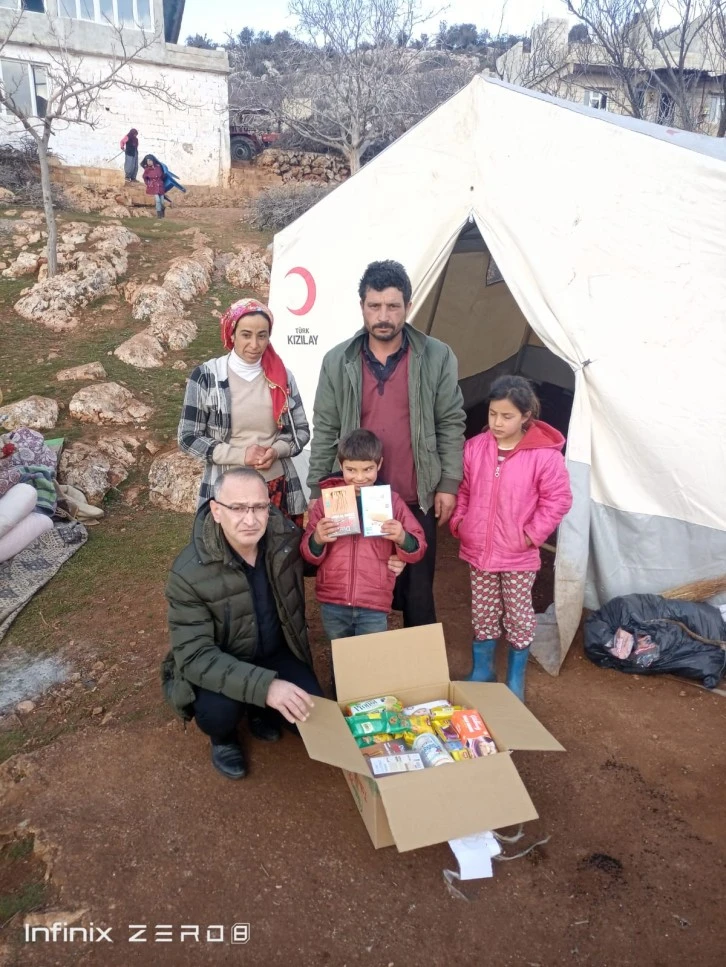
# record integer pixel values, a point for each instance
(305, 166)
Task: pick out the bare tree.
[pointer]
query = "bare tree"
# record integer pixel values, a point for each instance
(651, 45)
(539, 62)
(717, 37)
(346, 78)
(70, 91)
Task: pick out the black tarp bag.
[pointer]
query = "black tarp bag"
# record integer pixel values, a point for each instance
(657, 636)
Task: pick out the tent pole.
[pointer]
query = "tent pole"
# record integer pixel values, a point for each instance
(437, 297)
(522, 349)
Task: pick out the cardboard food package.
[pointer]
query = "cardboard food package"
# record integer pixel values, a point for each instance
(376, 509)
(420, 808)
(340, 505)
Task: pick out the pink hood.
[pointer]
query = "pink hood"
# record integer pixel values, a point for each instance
(498, 504)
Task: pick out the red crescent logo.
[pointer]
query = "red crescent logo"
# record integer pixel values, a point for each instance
(309, 281)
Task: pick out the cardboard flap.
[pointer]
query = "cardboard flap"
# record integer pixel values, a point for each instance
(511, 722)
(444, 803)
(328, 739)
(389, 661)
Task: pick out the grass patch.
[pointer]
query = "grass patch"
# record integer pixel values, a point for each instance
(22, 875)
(21, 848)
(30, 897)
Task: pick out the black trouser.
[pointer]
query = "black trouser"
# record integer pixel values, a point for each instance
(414, 592)
(219, 716)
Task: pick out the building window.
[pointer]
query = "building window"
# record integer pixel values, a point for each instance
(666, 108)
(26, 86)
(716, 105)
(121, 13)
(596, 99)
(34, 6)
(640, 95)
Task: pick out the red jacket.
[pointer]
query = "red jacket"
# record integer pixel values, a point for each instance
(353, 570)
(154, 180)
(498, 504)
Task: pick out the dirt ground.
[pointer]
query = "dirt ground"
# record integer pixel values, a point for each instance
(138, 829)
(111, 814)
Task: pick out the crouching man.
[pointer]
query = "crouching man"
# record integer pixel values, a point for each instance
(237, 621)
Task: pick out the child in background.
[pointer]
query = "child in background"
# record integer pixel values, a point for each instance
(515, 492)
(153, 175)
(356, 574)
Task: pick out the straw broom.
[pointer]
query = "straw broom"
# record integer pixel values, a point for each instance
(697, 590)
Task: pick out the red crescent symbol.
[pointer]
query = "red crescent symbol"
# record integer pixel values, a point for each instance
(312, 291)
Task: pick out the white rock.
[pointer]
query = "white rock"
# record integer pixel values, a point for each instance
(190, 276)
(25, 264)
(180, 365)
(35, 412)
(88, 371)
(95, 469)
(23, 708)
(6, 196)
(142, 350)
(173, 330)
(248, 270)
(108, 403)
(174, 481)
(152, 299)
(55, 301)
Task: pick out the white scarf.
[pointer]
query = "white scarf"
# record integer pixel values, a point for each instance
(247, 371)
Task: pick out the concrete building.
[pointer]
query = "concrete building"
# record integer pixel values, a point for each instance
(566, 63)
(193, 139)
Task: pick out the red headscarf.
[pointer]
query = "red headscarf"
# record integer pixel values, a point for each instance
(272, 366)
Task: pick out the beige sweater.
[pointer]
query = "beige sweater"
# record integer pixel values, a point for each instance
(252, 423)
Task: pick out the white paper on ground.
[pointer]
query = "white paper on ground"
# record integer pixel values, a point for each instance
(474, 854)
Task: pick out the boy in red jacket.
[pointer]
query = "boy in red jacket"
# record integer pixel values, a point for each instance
(355, 577)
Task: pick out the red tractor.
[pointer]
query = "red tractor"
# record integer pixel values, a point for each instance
(245, 144)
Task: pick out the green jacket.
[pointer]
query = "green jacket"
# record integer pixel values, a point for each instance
(212, 617)
(435, 401)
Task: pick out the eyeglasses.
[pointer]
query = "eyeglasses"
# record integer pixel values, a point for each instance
(241, 510)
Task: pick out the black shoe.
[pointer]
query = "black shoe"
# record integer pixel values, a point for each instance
(263, 726)
(228, 758)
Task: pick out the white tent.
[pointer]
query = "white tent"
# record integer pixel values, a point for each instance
(610, 235)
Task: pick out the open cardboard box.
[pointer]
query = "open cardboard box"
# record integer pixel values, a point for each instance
(416, 809)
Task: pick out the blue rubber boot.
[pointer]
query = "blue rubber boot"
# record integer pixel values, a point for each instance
(483, 662)
(516, 670)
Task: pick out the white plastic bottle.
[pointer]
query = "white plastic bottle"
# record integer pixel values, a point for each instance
(431, 749)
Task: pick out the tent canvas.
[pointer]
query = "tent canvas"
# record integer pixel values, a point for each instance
(609, 236)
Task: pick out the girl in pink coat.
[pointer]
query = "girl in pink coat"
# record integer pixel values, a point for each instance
(515, 492)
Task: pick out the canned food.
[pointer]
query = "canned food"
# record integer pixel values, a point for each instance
(431, 749)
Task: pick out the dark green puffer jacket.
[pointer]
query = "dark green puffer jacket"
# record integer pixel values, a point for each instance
(212, 617)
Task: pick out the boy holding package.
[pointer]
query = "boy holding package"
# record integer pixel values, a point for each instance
(356, 574)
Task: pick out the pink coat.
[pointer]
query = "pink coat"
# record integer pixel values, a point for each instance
(498, 504)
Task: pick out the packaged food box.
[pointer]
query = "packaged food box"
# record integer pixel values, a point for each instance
(480, 793)
(388, 765)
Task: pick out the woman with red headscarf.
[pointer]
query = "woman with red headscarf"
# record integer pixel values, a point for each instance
(243, 409)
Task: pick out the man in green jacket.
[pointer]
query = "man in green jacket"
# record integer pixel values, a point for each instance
(403, 386)
(237, 621)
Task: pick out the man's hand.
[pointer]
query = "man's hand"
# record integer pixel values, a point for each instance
(289, 700)
(396, 565)
(393, 530)
(326, 531)
(444, 505)
(253, 455)
(267, 459)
